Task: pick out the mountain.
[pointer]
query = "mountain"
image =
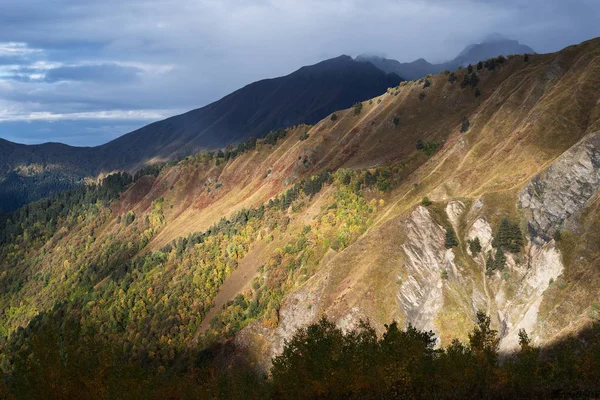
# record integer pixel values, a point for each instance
(471, 211)
(493, 46)
(28, 173)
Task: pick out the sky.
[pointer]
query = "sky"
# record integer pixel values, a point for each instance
(84, 72)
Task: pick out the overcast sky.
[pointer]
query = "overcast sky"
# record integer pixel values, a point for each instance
(83, 72)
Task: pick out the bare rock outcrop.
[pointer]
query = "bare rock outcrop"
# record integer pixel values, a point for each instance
(421, 294)
(563, 188)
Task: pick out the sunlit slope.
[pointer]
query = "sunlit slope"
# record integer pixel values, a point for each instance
(271, 250)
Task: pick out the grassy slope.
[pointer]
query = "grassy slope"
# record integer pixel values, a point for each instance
(527, 115)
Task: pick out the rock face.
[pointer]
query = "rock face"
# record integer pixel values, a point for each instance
(563, 188)
(542, 264)
(481, 229)
(421, 293)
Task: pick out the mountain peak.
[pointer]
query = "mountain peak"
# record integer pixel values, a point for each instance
(494, 37)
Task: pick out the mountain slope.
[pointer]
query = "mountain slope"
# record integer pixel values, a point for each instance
(370, 215)
(492, 46)
(305, 96)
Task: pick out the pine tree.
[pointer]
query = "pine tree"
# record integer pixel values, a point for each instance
(499, 260)
(451, 240)
(475, 246)
(508, 236)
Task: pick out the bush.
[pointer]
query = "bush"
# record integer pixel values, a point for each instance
(129, 218)
(304, 136)
(334, 117)
(358, 108)
(427, 83)
(451, 240)
(473, 80)
(465, 125)
(508, 236)
(475, 246)
(452, 77)
(557, 235)
(426, 202)
(422, 96)
(396, 120)
(429, 148)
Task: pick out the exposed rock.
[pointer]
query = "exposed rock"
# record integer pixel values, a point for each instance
(421, 294)
(481, 229)
(544, 265)
(454, 210)
(563, 188)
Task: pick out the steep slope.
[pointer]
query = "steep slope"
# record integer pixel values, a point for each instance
(305, 96)
(333, 220)
(493, 46)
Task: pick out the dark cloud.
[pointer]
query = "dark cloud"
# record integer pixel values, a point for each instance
(64, 57)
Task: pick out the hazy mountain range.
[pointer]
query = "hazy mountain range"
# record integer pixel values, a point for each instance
(492, 46)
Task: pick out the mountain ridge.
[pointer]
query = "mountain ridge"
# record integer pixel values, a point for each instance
(492, 46)
(427, 205)
(304, 96)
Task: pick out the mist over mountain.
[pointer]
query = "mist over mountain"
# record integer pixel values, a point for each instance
(492, 46)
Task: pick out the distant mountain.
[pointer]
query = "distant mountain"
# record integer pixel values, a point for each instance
(303, 97)
(492, 46)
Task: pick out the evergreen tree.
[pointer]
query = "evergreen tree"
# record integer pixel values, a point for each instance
(499, 260)
(508, 236)
(475, 246)
(451, 240)
(465, 125)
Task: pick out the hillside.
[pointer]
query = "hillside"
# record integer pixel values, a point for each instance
(472, 190)
(493, 46)
(28, 173)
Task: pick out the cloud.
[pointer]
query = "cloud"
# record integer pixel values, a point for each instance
(104, 73)
(15, 49)
(112, 115)
(66, 58)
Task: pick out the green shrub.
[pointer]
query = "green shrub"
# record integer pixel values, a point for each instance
(358, 108)
(465, 125)
(334, 117)
(129, 218)
(508, 236)
(475, 246)
(451, 240)
(426, 202)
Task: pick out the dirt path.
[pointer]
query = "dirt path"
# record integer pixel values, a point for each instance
(236, 282)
